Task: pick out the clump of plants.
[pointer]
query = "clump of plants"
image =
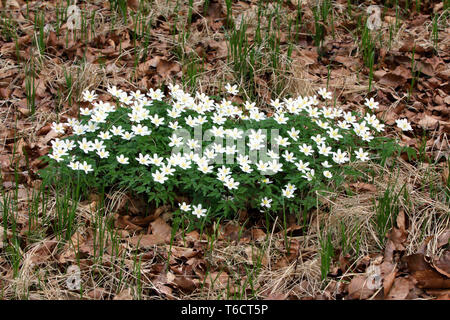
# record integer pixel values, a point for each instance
(217, 155)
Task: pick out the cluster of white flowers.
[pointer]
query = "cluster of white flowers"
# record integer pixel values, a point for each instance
(334, 122)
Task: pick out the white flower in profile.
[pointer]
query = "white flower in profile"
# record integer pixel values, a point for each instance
(156, 160)
(175, 141)
(291, 187)
(58, 154)
(167, 170)
(191, 122)
(174, 113)
(306, 149)
(105, 135)
(231, 184)
(272, 154)
(327, 174)
(326, 164)
(314, 101)
(114, 91)
(79, 130)
(361, 155)
(323, 124)
(340, 157)
(58, 127)
(137, 95)
(243, 159)
(122, 159)
(234, 133)
(293, 133)
(127, 135)
(324, 150)
(98, 145)
(91, 126)
(125, 98)
(185, 207)
(403, 124)
(282, 141)
(103, 154)
(265, 202)
(266, 181)
(309, 175)
(313, 112)
(257, 116)
(349, 117)
(155, 94)
(184, 163)
(174, 125)
(275, 166)
(198, 211)
(160, 177)
(262, 166)
(143, 159)
(74, 165)
(366, 136)
(334, 134)
(209, 153)
(276, 104)
(85, 167)
(72, 122)
(324, 93)
(85, 111)
(289, 156)
(343, 125)
(203, 167)
(58, 144)
(288, 193)
(156, 120)
(85, 145)
(69, 144)
(302, 166)
(117, 131)
(141, 130)
(371, 104)
(378, 127)
(246, 168)
(280, 118)
(318, 139)
(231, 89)
(89, 95)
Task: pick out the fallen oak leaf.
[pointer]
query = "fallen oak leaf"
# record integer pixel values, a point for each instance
(426, 276)
(442, 265)
(359, 288)
(400, 289)
(124, 295)
(428, 122)
(146, 241)
(98, 294)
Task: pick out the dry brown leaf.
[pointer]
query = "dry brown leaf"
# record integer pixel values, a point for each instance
(98, 293)
(425, 275)
(358, 288)
(392, 80)
(124, 295)
(400, 289)
(428, 122)
(146, 241)
(442, 265)
(184, 284)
